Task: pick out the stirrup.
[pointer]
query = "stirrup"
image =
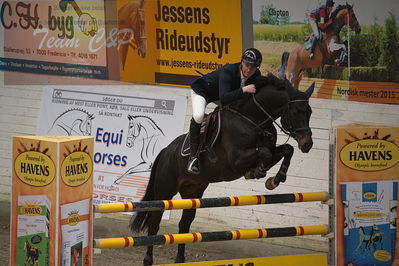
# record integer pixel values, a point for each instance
(310, 55)
(193, 165)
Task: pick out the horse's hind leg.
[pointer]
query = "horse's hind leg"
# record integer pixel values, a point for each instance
(153, 227)
(285, 151)
(187, 192)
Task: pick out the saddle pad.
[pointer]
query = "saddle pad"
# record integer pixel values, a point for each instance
(211, 135)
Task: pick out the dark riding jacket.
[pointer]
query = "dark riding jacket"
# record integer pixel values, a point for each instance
(319, 13)
(222, 84)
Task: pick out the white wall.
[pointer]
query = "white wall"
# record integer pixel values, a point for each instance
(20, 100)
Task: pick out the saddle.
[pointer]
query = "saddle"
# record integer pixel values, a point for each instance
(310, 38)
(210, 131)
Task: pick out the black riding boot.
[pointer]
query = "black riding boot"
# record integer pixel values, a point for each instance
(311, 51)
(193, 165)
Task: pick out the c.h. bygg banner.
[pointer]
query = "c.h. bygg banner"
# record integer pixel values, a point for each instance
(54, 37)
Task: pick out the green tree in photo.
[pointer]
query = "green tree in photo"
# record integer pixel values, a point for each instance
(390, 46)
(265, 17)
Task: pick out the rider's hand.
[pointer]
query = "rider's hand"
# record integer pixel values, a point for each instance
(249, 88)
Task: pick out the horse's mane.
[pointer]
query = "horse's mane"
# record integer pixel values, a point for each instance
(339, 8)
(270, 79)
(75, 109)
(273, 82)
(149, 118)
(267, 87)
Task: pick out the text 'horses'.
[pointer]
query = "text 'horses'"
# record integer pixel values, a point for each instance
(246, 146)
(294, 63)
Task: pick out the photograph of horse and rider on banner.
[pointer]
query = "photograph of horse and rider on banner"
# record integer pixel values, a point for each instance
(331, 42)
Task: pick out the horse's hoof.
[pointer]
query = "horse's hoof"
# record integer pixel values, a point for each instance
(147, 261)
(249, 175)
(270, 184)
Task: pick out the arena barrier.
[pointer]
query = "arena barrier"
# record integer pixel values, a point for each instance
(159, 205)
(122, 242)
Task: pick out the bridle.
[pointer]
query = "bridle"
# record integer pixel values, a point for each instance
(292, 132)
(142, 37)
(136, 37)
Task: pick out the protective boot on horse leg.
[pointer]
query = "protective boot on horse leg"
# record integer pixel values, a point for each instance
(333, 46)
(261, 169)
(193, 164)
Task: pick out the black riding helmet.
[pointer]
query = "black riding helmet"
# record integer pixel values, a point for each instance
(329, 3)
(252, 57)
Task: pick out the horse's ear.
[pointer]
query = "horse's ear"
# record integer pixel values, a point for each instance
(310, 90)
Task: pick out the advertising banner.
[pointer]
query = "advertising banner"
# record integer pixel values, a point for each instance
(51, 206)
(54, 37)
(129, 131)
(165, 42)
(366, 194)
(351, 50)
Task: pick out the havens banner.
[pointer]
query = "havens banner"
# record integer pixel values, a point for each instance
(175, 38)
(54, 37)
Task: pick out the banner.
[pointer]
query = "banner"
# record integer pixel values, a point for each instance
(354, 58)
(165, 42)
(129, 131)
(54, 37)
(366, 194)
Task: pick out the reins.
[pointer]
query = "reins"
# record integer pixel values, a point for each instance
(269, 116)
(291, 132)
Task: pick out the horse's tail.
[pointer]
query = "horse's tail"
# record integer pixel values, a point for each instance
(139, 222)
(284, 61)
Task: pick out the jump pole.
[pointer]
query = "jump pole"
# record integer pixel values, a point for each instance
(122, 242)
(159, 205)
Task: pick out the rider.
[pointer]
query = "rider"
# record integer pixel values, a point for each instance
(227, 84)
(319, 19)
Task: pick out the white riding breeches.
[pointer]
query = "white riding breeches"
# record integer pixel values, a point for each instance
(315, 29)
(198, 104)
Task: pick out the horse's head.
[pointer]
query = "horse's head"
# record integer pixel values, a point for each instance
(138, 25)
(133, 131)
(85, 126)
(295, 119)
(346, 13)
(375, 227)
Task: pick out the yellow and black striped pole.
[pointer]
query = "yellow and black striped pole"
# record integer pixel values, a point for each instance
(159, 205)
(122, 242)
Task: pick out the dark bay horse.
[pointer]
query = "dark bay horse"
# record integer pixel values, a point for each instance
(246, 146)
(294, 63)
(132, 33)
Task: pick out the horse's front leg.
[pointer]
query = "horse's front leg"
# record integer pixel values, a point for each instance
(284, 151)
(243, 160)
(264, 156)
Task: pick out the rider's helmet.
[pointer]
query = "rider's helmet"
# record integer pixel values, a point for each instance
(252, 57)
(329, 3)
